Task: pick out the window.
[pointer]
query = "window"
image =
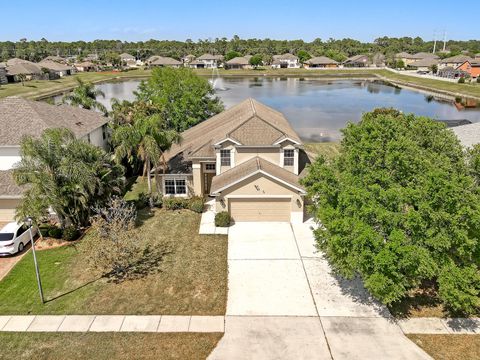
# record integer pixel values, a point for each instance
(104, 132)
(175, 187)
(210, 167)
(288, 155)
(88, 139)
(225, 157)
(21, 230)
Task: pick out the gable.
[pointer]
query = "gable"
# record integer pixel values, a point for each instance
(256, 132)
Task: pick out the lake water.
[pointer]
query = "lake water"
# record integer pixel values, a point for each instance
(316, 108)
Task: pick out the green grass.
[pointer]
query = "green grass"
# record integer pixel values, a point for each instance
(192, 276)
(449, 347)
(139, 186)
(329, 150)
(43, 88)
(106, 346)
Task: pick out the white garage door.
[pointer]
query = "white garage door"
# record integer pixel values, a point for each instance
(7, 209)
(260, 209)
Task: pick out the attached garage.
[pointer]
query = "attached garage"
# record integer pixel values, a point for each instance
(260, 209)
(7, 209)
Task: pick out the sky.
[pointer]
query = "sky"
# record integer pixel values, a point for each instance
(137, 20)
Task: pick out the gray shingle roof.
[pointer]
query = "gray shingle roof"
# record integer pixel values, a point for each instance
(468, 135)
(456, 59)
(320, 60)
(286, 56)
(8, 186)
(53, 65)
(239, 60)
(210, 57)
(21, 117)
(250, 123)
(250, 167)
(160, 60)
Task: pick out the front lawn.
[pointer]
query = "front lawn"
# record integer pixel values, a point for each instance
(449, 347)
(106, 346)
(191, 277)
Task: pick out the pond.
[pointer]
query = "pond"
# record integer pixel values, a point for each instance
(316, 108)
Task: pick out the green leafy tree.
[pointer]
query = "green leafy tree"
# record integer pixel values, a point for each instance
(303, 56)
(232, 54)
(400, 206)
(183, 98)
(65, 174)
(434, 68)
(256, 60)
(399, 64)
(22, 78)
(85, 96)
(145, 138)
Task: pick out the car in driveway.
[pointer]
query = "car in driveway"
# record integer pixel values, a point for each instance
(14, 237)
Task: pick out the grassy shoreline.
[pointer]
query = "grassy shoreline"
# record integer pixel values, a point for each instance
(40, 89)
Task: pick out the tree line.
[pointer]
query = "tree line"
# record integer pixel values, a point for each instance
(337, 49)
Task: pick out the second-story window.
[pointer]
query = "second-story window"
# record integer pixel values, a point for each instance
(225, 157)
(288, 156)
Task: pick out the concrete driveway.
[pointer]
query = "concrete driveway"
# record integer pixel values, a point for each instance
(284, 302)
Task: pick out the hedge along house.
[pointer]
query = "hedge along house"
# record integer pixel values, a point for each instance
(20, 117)
(248, 158)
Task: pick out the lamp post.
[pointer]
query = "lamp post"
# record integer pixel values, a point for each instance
(29, 222)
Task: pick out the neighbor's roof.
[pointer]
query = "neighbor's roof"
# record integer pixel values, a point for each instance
(356, 58)
(405, 55)
(21, 117)
(426, 62)
(250, 167)
(320, 60)
(468, 135)
(16, 61)
(286, 56)
(8, 186)
(239, 60)
(126, 56)
(23, 68)
(85, 64)
(424, 55)
(248, 123)
(210, 57)
(55, 58)
(456, 59)
(53, 65)
(160, 60)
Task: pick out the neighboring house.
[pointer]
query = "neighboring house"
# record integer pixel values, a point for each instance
(472, 67)
(129, 60)
(320, 62)
(57, 59)
(248, 158)
(91, 57)
(454, 61)
(3, 74)
(124, 57)
(285, 61)
(477, 56)
(468, 135)
(424, 64)
(451, 73)
(239, 62)
(424, 55)
(15, 67)
(188, 59)
(207, 61)
(357, 61)
(161, 61)
(406, 58)
(56, 69)
(378, 60)
(85, 66)
(21, 117)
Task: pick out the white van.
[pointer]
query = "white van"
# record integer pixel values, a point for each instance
(14, 237)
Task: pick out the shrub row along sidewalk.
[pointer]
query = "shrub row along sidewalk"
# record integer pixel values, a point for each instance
(112, 323)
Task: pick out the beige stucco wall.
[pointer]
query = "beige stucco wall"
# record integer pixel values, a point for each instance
(269, 154)
(96, 138)
(261, 186)
(7, 209)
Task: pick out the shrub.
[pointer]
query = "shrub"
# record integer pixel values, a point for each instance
(461, 80)
(175, 203)
(197, 204)
(55, 233)
(71, 233)
(478, 79)
(142, 201)
(222, 219)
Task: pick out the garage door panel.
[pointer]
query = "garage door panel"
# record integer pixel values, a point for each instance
(266, 209)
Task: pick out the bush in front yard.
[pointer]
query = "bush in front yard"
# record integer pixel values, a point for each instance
(55, 233)
(71, 233)
(461, 80)
(175, 203)
(222, 219)
(197, 204)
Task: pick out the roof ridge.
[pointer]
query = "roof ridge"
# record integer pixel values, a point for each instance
(254, 110)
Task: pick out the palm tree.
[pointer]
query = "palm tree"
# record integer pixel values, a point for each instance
(22, 78)
(145, 138)
(65, 174)
(85, 96)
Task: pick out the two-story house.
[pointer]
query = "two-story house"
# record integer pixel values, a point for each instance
(248, 158)
(285, 61)
(20, 117)
(206, 61)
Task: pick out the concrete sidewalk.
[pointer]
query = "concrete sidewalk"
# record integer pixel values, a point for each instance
(112, 323)
(440, 326)
(207, 222)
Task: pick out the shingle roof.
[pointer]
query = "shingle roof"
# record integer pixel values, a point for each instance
(468, 135)
(356, 58)
(286, 56)
(404, 54)
(210, 57)
(25, 67)
(160, 60)
(249, 123)
(424, 62)
(57, 59)
(21, 117)
(53, 65)
(126, 56)
(250, 167)
(424, 55)
(456, 59)
(8, 186)
(239, 60)
(321, 60)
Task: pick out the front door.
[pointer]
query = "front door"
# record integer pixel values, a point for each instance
(208, 182)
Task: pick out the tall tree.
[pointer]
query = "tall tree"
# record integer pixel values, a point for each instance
(182, 97)
(85, 96)
(65, 174)
(401, 207)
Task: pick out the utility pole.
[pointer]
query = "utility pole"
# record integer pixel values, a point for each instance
(434, 41)
(29, 222)
(444, 40)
